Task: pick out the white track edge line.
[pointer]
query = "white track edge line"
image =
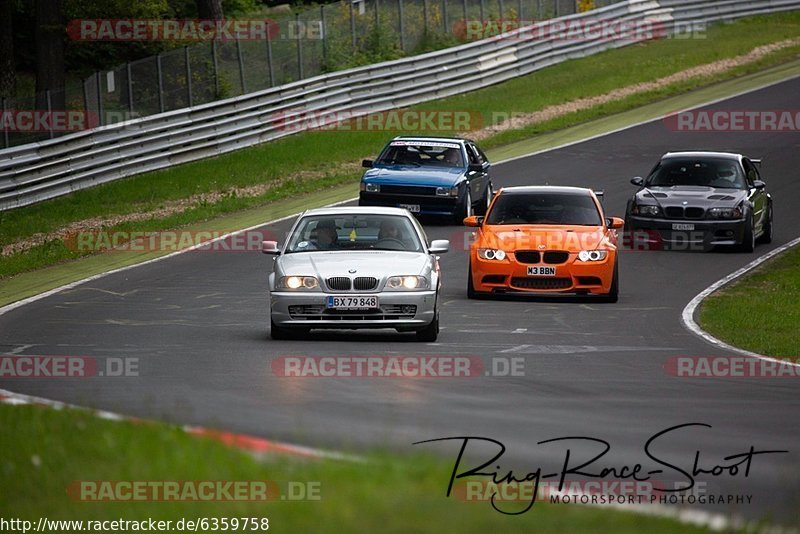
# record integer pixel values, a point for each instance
(687, 316)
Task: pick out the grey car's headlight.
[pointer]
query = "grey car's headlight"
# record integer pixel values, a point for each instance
(648, 210)
(406, 283)
(491, 254)
(447, 191)
(370, 188)
(592, 255)
(724, 213)
(298, 282)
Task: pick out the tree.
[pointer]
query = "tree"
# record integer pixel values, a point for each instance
(209, 9)
(50, 34)
(8, 72)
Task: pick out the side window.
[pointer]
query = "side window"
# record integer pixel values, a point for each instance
(474, 158)
(481, 154)
(750, 172)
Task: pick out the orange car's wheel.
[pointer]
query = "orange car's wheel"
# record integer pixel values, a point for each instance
(613, 294)
(471, 293)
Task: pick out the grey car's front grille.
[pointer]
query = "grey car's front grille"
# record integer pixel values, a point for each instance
(365, 283)
(694, 213)
(690, 212)
(339, 283)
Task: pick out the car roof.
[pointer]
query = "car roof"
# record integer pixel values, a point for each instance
(357, 210)
(703, 154)
(569, 190)
(423, 138)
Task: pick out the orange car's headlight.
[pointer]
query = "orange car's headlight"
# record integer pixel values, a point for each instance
(592, 255)
(491, 254)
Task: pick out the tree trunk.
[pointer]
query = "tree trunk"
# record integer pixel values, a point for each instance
(8, 71)
(50, 32)
(209, 9)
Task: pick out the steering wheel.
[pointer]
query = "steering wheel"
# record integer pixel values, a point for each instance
(391, 240)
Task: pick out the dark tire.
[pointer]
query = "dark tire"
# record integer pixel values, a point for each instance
(486, 200)
(471, 293)
(430, 332)
(278, 333)
(613, 294)
(748, 243)
(766, 236)
(465, 210)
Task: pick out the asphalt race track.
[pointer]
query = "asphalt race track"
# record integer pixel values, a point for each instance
(198, 322)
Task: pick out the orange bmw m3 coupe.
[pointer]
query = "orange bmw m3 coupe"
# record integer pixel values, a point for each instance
(544, 240)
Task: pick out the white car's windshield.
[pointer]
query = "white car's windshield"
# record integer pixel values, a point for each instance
(354, 232)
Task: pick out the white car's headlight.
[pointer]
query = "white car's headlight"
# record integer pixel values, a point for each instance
(298, 282)
(592, 255)
(406, 283)
(491, 254)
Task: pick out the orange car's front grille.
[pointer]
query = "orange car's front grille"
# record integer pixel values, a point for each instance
(528, 256)
(541, 283)
(557, 256)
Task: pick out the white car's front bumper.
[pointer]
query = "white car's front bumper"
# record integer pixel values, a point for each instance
(308, 310)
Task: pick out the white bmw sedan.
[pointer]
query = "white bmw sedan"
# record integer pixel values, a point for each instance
(351, 267)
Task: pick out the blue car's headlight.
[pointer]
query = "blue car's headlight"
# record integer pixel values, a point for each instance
(447, 191)
(370, 188)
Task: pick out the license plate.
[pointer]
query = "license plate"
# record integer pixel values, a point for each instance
(541, 271)
(352, 302)
(682, 226)
(413, 208)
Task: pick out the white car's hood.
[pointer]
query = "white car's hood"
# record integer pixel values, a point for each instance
(377, 263)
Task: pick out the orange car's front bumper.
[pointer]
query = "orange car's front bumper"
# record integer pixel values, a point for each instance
(573, 276)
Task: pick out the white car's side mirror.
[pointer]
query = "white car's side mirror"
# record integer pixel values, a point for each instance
(439, 246)
(270, 247)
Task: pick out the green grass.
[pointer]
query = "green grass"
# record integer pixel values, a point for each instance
(761, 311)
(45, 450)
(324, 152)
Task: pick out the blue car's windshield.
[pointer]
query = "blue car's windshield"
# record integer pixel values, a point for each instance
(437, 154)
(354, 232)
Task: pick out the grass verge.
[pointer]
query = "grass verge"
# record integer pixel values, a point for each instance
(51, 449)
(760, 311)
(312, 161)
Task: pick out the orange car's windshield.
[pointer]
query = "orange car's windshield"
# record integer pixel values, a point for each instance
(545, 208)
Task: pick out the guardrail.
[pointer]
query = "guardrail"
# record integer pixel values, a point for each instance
(48, 169)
